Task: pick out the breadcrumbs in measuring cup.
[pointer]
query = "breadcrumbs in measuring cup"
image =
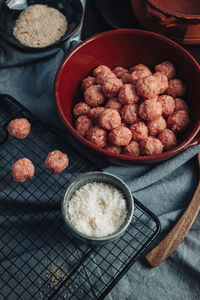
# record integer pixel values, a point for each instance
(97, 209)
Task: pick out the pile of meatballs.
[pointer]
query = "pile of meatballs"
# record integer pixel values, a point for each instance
(23, 169)
(132, 111)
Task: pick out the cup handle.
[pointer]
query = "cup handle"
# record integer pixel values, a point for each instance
(159, 16)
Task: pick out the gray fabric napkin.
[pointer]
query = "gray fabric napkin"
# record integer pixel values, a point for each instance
(165, 188)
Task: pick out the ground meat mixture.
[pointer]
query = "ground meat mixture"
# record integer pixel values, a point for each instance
(176, 88)
(129, 113)
(156, 125)
(128, 95)
(151, 146)
(180, 104)
(150, 110)
(94, 95)
(109, 119)
(139, 131)
(138, 67)
(114, 103)
(82, 124)
(138, 74)
(168, 105)
(167, 138)
(87, 82)
(81, 108)
(95, 113)
(97, 136)
(104, 77)
(22, 170)
(132, 111)
(178, 121)
(148, 87)
(111, 87)
(162, 82)
(19, 128)
(126, 78)
(120, 136)
(101, 69)
(56, 161)
(114, 149)
(167, 68)
(120, 72)
(133, 148)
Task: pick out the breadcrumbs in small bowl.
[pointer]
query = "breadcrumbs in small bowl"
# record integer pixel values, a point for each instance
(97, 208)
(42, 25)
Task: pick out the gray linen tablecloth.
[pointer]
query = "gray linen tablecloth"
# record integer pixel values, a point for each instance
(166, 188)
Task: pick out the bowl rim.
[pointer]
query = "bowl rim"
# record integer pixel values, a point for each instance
(123, 157)
(25, 48)
(173, 12)
(124, 226)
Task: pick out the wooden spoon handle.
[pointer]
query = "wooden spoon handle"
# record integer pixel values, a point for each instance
(169, 244)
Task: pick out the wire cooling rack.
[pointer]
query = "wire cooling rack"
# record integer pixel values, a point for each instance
(39, 259)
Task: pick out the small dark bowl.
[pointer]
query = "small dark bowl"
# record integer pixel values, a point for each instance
(127, 47)
(71, 9)
(98, 177)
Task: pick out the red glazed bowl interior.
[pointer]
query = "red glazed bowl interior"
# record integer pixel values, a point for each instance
(126, 47)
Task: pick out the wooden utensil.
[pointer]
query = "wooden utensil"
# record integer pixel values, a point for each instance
(169, 244)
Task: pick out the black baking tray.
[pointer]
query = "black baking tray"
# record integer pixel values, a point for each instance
(39, 258)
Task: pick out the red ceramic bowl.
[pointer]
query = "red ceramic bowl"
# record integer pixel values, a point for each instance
(126, 47)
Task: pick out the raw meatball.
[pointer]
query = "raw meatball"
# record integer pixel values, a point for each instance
(126, 78)
(167, 68)
(168, 104)
(178, 121)
(150, 110)
(129, 113)
(157, 125)
(111, 87)
(114, 149)
(120, 72)
(132, 148)
(127, 94)
(87, 82)
(151, 146)
(123, 124)
(138, 67)
(19, 128)
(138, 74)
(180, 104)
(81, 108)
(103, 77)
(176, 88)
(82, 124)
(162, 82)
(97, 136)
(94, 114)
(56, 161)
(109, 119)
(148, 87)
(120, 136)
(167, 138)
(94, 96)
(114, 103)
(22, 170)
(101, 69)
(139, 131)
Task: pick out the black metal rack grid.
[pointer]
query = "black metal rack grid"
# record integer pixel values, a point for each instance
(39, 259)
